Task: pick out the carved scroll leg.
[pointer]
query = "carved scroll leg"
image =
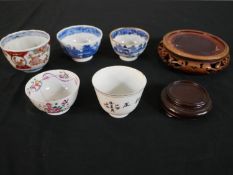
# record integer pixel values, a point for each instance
(218, 66)
(162, 51)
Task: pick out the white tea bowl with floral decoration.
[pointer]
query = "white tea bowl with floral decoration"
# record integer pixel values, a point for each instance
(27, 50)
(54, 91)
(129, 42)
(119, 89)
(80, 42)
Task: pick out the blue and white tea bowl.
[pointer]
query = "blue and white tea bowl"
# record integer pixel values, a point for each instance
(129, 42)
(80, 42)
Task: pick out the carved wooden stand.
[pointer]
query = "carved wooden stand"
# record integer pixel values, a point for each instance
(192, 66)
(177, 60)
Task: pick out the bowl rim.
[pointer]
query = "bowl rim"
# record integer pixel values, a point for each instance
(49, 101)
(82, 25)
(28, 49)
(120, 95)
(137, 28)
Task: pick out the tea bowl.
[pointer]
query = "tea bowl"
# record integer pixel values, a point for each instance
(27, 50)
(80, 42)
(129, 42)
(119, 89)
(54, 91)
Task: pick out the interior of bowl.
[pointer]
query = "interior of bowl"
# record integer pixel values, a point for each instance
(129, 36)
(79, 35)
(52, 85)
(24, 40)
(119, 80)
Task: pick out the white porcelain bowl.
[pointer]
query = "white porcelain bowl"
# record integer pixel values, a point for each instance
(54, 91)
(129, 42)
(27, 50)
(119, 89)
(80, 42)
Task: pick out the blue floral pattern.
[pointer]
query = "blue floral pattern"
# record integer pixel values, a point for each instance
(129, 31)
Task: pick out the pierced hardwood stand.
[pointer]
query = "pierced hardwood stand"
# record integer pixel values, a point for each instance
(194, 51)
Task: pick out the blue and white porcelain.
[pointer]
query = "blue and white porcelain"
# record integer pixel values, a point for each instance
(80, 42)
(129, 42)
